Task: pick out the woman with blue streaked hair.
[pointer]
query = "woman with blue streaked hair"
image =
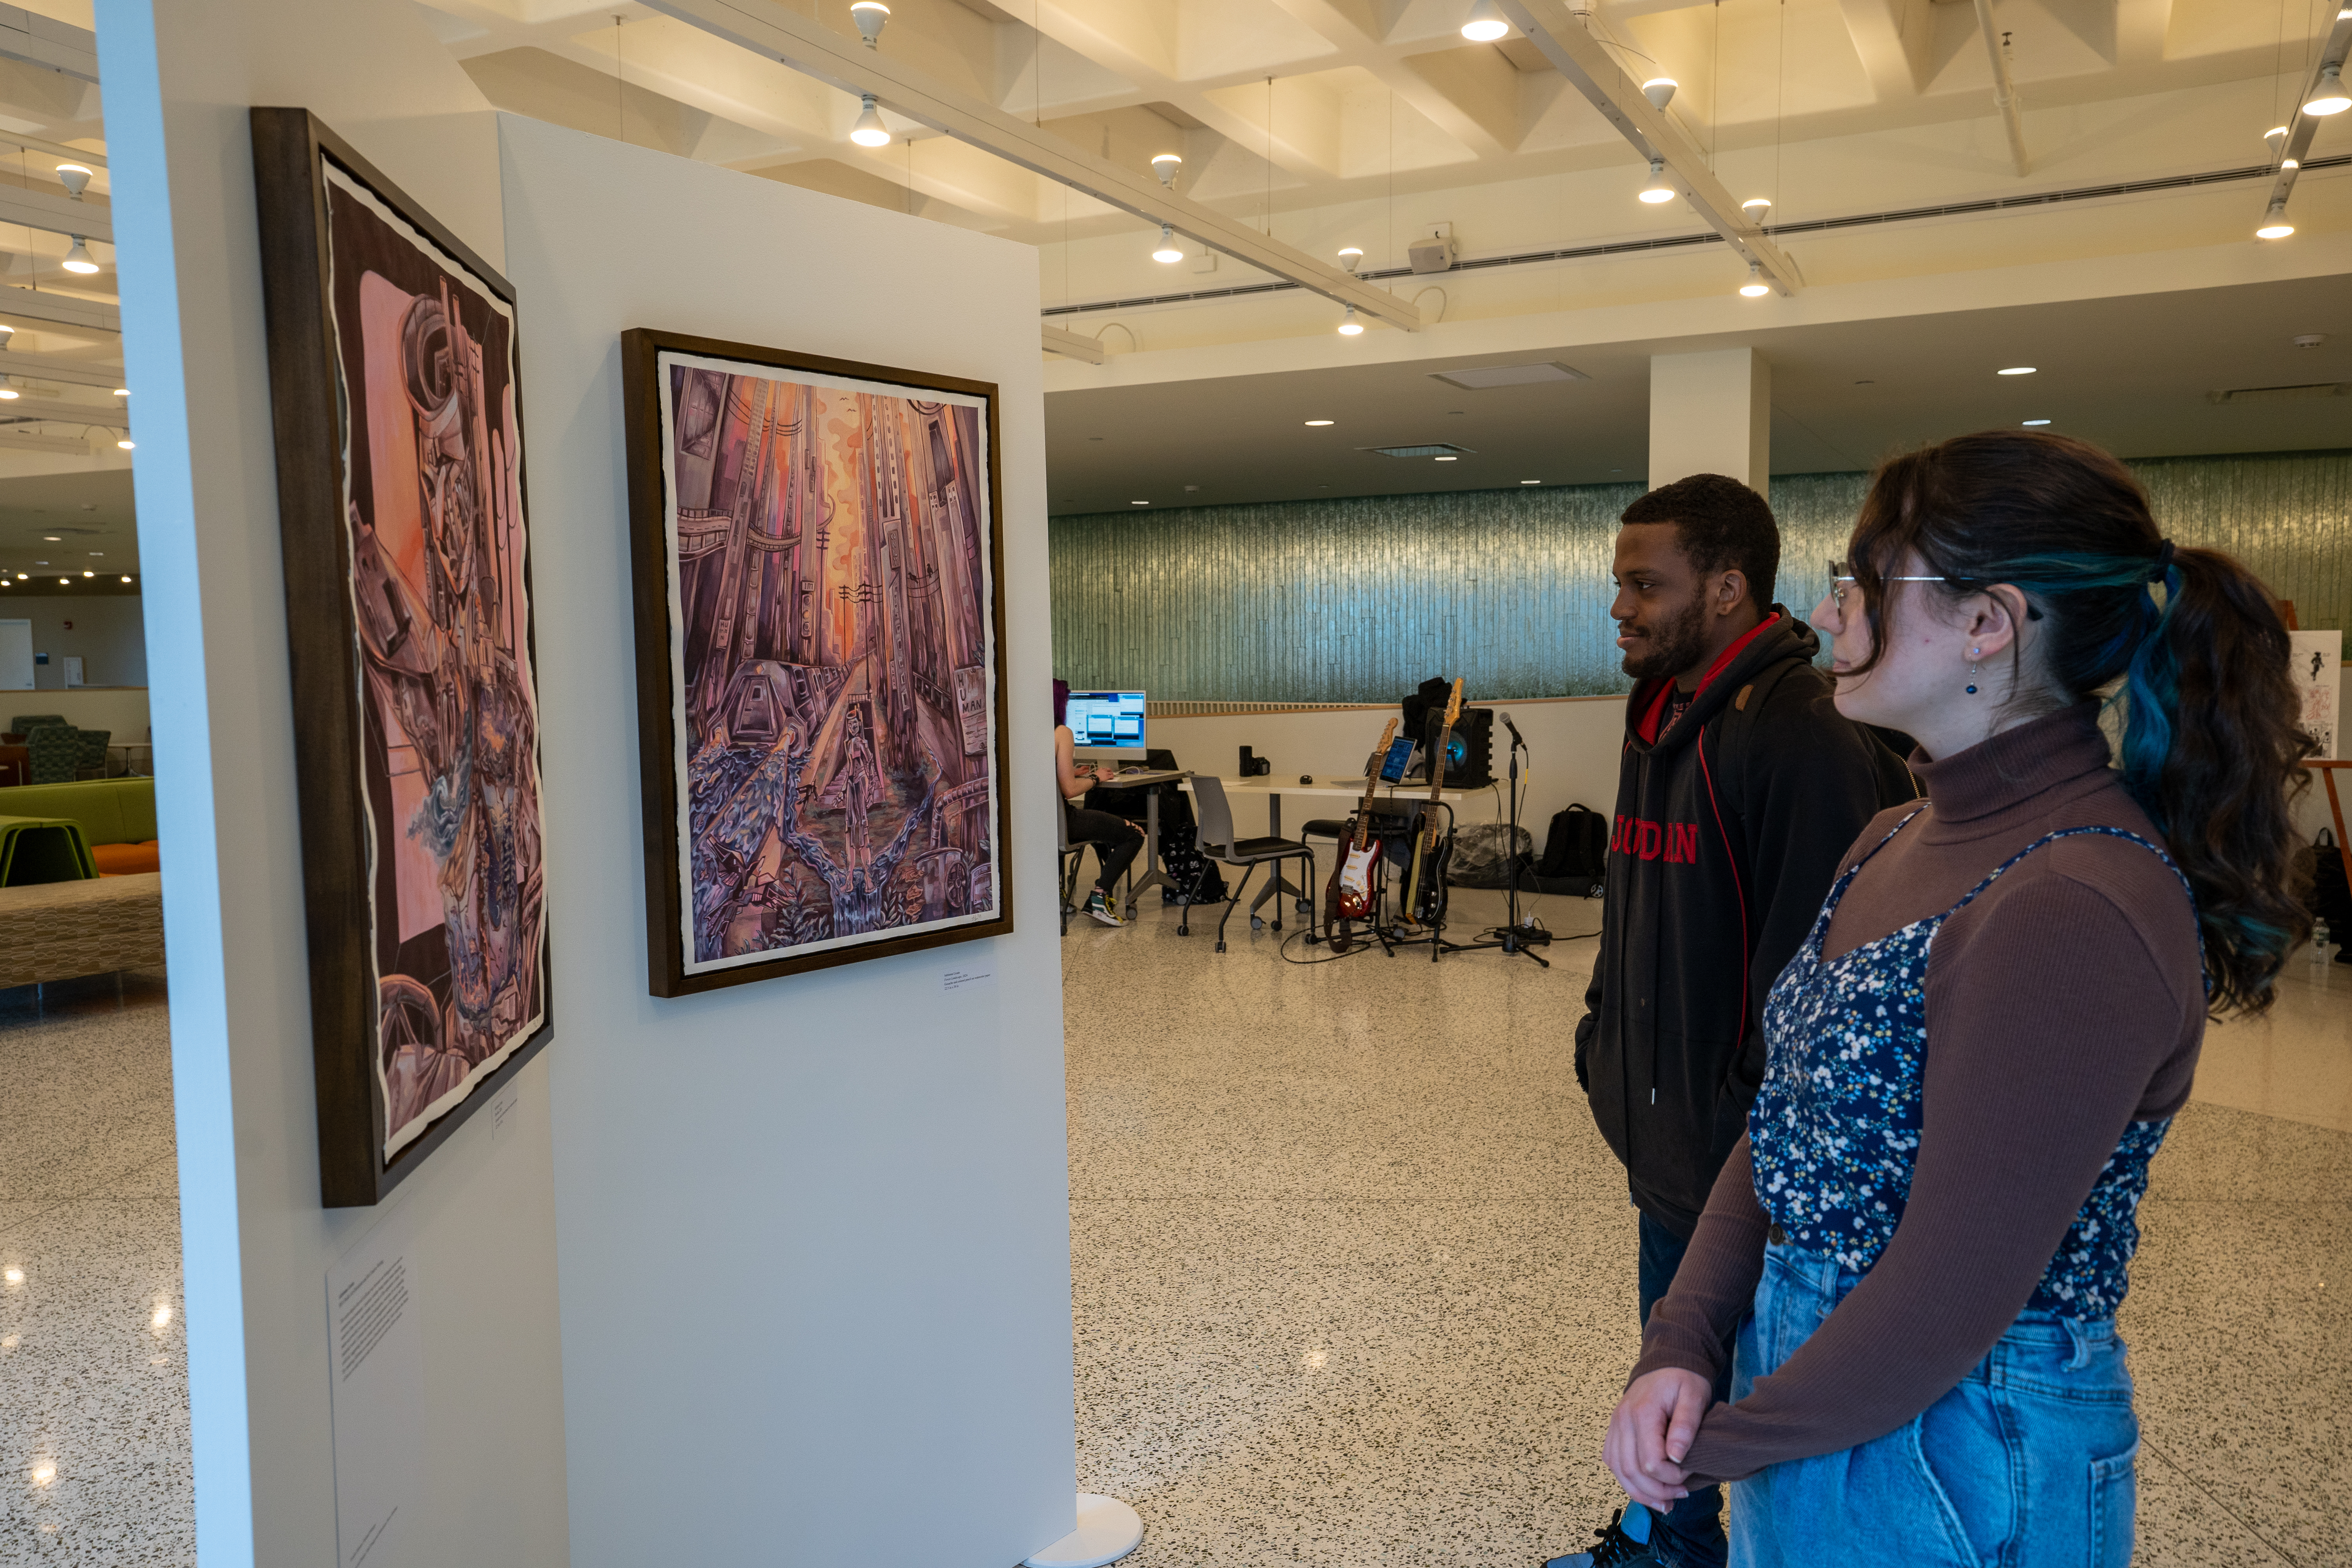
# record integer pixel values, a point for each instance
(1922, 1242)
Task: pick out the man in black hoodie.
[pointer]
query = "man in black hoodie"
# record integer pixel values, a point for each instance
(1739, 791)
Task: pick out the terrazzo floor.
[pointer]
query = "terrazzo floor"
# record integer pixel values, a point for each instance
(93, 1375)
(1354, 1273)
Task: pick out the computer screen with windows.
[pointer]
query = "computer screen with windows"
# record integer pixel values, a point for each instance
(1108, 724)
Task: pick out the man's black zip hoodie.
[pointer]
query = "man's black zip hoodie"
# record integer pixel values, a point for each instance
(1728, 831)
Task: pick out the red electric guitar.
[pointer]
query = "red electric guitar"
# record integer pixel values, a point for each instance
(1354, 891)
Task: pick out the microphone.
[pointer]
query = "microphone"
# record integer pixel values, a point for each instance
(1517, 739)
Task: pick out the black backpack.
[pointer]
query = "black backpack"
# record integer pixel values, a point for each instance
(1576, 847)
(2329, 899)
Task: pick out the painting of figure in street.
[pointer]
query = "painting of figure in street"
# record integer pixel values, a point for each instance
(441, 612)
(832, 660)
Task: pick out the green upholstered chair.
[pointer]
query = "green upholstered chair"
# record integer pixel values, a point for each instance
(93, 752)
(26, 723)
(56, 752)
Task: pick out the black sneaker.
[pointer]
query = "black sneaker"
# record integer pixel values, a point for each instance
(1615, 1549)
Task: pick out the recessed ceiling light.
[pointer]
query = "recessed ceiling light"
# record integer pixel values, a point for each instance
(126, 444)
(122, 392)
(1449, 458)
(1319, 422)
(1139, 503)
(2037, 422)
(126, 579)
(55, 538)
(89, 573)
(1530, 481)
(2017, 370)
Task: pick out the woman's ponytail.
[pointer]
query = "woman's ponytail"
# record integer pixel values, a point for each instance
(2213, 751)
(2212, 747)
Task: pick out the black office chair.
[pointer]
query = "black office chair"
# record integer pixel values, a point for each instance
(1218, 844)
(1073, 857)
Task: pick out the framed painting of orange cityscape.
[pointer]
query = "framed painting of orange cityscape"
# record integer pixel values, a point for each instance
(820, 697)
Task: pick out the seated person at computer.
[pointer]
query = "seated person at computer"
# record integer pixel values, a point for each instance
(1115, 839)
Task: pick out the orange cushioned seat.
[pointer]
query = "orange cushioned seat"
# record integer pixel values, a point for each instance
(127, 860)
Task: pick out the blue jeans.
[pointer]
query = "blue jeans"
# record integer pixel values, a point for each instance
(2027, 1463)
(1695, 1528)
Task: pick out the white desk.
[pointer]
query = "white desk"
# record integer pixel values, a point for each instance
(1272, 788)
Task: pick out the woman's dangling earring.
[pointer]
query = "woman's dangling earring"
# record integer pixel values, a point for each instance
(1972, 670)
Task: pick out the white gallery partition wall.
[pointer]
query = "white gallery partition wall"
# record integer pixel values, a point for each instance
(779, 1274)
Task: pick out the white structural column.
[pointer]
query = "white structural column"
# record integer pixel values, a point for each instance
(1711, 413)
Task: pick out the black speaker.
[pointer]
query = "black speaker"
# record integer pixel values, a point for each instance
(1470, 754)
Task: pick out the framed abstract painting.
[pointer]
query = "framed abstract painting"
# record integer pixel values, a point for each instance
(394, 398)
(817, 556)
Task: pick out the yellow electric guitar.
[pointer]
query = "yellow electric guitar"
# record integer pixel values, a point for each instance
(1424, 889)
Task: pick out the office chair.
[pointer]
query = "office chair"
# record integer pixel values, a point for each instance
(1073, 856)
(56, 752)
(1218, 844)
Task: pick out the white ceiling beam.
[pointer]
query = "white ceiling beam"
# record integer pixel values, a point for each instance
(21, 441)
(1593, 71)
(58, 309)
(57, 149)
(2004, 91)
(32, 367)
(767, 28)
(2303, 127)
(57, 215)
(37, 40)
(113, 418)
(1071, 345)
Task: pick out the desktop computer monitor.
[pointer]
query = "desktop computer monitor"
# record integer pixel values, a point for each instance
(1108, 724)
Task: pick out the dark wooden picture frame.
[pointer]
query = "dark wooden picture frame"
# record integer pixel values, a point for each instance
(664, 630)
(389, 1031)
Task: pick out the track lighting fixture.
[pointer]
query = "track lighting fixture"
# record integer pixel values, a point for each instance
(126, 443)
(74, 178)
(1165, 165)
(869, 16)
(1657, 190)
(869, 131)
(1754, 288)
(1168, 250)
(7, 392)
(78, 260)
(1756, 209)
(1485, 23)
(1350, 256)
(2275, 223)
(1349, 326)
(2328, 97)
(1660, 92)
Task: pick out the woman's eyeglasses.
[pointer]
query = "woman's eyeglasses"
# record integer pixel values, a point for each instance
(1841, 573)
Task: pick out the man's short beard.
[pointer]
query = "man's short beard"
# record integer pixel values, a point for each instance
(1674, 646)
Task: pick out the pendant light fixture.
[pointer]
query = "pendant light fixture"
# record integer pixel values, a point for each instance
(1351, 257)
(2275, 223)
(2327, 96)
(1165, 165)
(869, 16)
(78, 260)
(1660, 92)
(1657, 190)
(1754, 288)
(1756, 209)
(869, 131)
(1349, 326)
(1168, 250)
(1485, 23)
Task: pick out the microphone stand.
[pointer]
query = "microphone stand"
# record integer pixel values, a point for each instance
(1513, 937)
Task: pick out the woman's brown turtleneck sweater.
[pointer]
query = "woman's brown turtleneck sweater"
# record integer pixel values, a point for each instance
(2063, 1005)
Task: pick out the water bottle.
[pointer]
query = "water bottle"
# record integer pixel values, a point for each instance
(2318, 943)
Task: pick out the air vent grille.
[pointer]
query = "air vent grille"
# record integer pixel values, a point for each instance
(2305, 393)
